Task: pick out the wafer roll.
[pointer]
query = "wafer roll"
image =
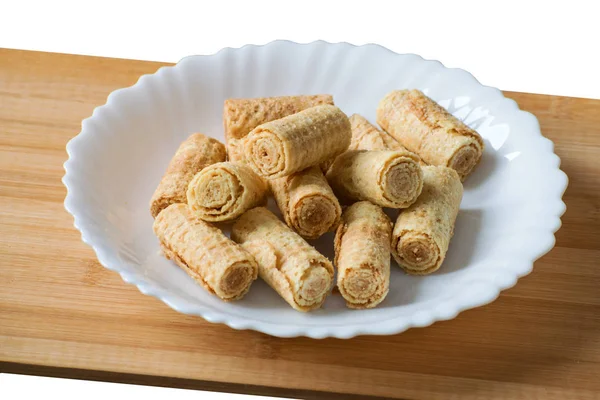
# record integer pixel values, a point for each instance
(201, 250)
(235, 153)
(362, 255)
(224, 191)
(296, 142)
(422, 232)
(195, 153)
(307, 202)
(298, 272)
(383, 177)
(240, 116)
(235, 150)
(367, 137)
(426, 128)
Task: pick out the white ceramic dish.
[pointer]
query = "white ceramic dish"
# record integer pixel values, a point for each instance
(510, 210)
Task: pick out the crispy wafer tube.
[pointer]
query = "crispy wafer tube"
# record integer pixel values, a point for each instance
(307, 202)
(426, 128)
(235, 153)
(195, 153)
(362, 255)
(422, 232)
(240, 116)
(386, 178)
(298, 272)
(367, 137)
(235, 150)
(224, 191)
(280, 148)
(201, 250)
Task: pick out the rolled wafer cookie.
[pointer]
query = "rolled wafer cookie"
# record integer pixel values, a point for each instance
(235, 153)
(422, 232)
(296, 142)
(362, 255)
(367, 137)
(426, 128)
(383, 177)
(240, 116)
(235, 150)
(217, 263)
(225, 190)
(195, 153)
(307, 202)
(298, 272)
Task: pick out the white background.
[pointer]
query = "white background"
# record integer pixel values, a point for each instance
(549, 47)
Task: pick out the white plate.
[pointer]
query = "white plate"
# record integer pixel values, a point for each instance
(510, 210)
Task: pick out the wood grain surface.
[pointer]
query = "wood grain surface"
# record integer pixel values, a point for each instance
(61, 313)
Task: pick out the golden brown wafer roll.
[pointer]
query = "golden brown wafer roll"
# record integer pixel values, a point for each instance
(240, 116)
(296, 142)
(224, 191)
(367, 137)
(307, 202)
(384, 177)
(362, 255)
(195, 153)
(426, 128)
(298, 272)
(423, 231)
(201, 250)
(235, 153)
(235, 150)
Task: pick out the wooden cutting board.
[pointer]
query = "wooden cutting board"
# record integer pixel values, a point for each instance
(62, 314)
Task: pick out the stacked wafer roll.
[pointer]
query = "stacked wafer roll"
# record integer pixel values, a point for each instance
(299, 141)
(205, 253)
(422, 232)
(295, 135)
(362, 255)
(375, 169)
(200, 186)
(241, 116)
(426, 128)
(195, 153)
(293, 268)
(308, 153)
(367, 137)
